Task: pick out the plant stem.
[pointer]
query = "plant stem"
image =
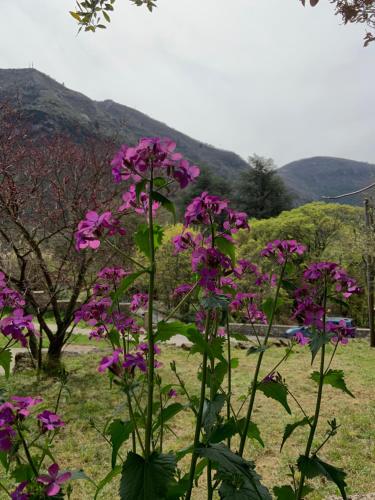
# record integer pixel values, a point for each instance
(198, 424)
(125, 255)
(27, 452)
(258, 365)
(315, 421)
(150, 333)
(229, 390)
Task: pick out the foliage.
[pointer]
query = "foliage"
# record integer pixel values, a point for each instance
(260, 192)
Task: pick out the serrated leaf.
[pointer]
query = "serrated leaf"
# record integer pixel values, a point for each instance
(165, 202)
(216, 378)
(230, 465)
(23, 472)
(284, 492)
(226, 247)
(318, 339)
(253, 431)
(143, 480)
(167, 413)
(211, 411)
(290, 428)
(313, 467)
(224, 431)
(142, 238)
(166, 330)
(335, 378)
(119, 432)
(276, 391)
(5, 361)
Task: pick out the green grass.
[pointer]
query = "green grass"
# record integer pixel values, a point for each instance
(80, 446)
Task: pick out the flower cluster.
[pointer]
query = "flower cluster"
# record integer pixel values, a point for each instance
(246, 302)
(12, 416)
(118, 360)
(16, 325)
(93, 227)
(133, 163)
(282, 249)
(331, 271)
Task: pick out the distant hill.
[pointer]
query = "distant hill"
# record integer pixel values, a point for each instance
(51, 107)
(311, 178)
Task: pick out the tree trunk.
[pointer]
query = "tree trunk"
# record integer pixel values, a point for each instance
(53, 363)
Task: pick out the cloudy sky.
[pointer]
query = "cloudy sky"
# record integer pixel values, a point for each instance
(253, 76)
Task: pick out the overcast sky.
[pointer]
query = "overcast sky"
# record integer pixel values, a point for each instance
(253, 76)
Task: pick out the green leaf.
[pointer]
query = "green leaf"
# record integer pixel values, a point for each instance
(165, 202)
(167, 413)
(4, 460)
(239, 336)
(226, 247)
(124, 284)
(5, 360)
(269, 305)
(142, 238)
(211, 411)
(224, 431)
(23, 472)
(107, 479)
(234, 363)
(290, 428)
(143, 480)
(253, 431)
(335, 378)
(276, 391)
(166, 330)
(216, 378)
(139, 188)
(114, 337)
(318, 339)
(231, 466)
(119, 432)
(76, 15)
(313, 467)
(284, 492)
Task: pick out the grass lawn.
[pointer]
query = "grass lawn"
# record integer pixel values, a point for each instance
(80, 446)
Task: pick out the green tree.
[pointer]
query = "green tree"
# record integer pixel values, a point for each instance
(260, 192)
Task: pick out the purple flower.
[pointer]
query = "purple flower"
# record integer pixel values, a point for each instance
(144, 348)
(19, 493)
(301, 339)
(15, 326)
(6, 438)
(138, 300)
(7, 415)
(282, 249)
(112, 274)
(96, 310)
(93, 227)
(181, 290)
(135, 360)
(172, 393)
(204, 207)
(152, 153)
(53, 480)
(49, 420)
(110, 361)
(341, 332)
(186, 240)
(236, 221)
(22, 404)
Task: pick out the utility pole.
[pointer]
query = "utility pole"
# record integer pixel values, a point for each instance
(369, 259)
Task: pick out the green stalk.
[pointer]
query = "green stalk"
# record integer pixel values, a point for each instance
(258, 365)
(319, 395)
(198, 425)
(315, 422)
(229, 355)
(150, 333)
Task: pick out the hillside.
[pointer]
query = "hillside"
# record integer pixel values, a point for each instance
(51, 107)
(312, 178)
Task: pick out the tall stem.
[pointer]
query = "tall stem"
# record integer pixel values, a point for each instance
(319, 396)
(229, 391)
(258, 365)
(316, 418)
(150, 333)
(198, 423)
